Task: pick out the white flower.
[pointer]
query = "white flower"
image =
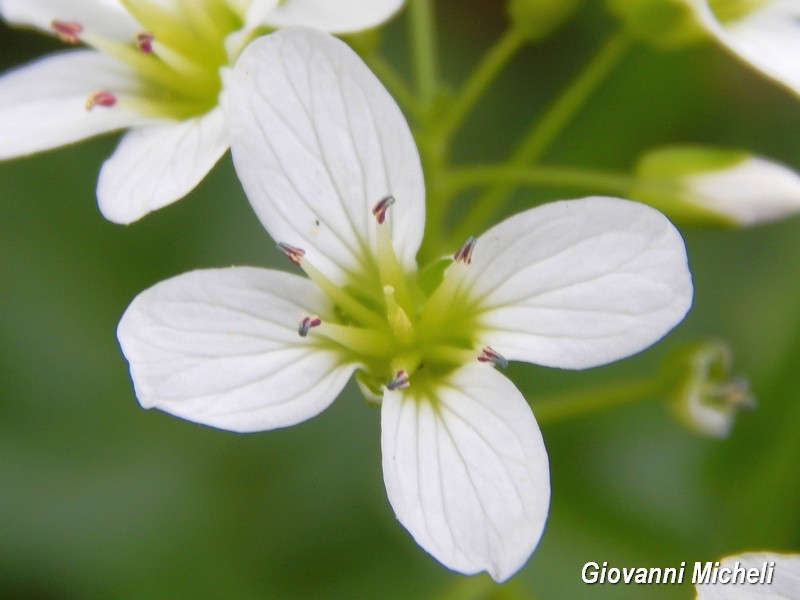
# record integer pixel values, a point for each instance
(763, 33)
(154, 66)
(718, 185)
(781, 570)
(331, 168)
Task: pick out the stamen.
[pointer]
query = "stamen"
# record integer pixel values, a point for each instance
(307, 323)
(400, 382)
(464, 253)
(67, 31)
(101, 98)
(292, 253)
(488, 354)
(382, 207)
(144, 41)
(734, 393)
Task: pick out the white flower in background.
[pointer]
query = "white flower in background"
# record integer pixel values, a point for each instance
(772, 577)
(710, 397)
(763, 33)
(154, 66)
(718, 185)
(331, 169)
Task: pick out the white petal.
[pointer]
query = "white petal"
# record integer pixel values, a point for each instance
(344, 16)
(785, 584)
(156, 165)
(767, 38)
(754, 191)
(43, 104)
(317, 142)
(578, 283)
(104, 17)
(466, 470)
(221, 347)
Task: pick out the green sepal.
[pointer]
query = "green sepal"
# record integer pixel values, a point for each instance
(662, 23)
(535, 20)
(661, 175)
(430, 277)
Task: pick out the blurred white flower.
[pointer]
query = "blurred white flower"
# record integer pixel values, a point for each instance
(710, 398)
(154, 66)
(773, 577)
(763, 33)
(331, 169)
(717, 185)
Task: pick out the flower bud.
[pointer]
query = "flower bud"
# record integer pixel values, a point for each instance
(719, 186)
(537, 19)
(662, 23)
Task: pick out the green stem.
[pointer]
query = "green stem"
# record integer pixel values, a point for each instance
(395, 83)
(490, 66)
(551, 176)
(573, 404)
(546, 130)
(423, 49)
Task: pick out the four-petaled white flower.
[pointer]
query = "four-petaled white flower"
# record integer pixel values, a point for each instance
(773, 577)
(155, 66)
(331, 169)
(763, 33)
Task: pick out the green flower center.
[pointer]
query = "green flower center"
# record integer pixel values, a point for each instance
(405, 329)
(177, 56)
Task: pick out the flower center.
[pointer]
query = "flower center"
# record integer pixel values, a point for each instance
(404, 329)
(176, 57)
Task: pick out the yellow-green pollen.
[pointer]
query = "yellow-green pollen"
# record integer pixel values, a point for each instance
(177, 56)
(403, 336)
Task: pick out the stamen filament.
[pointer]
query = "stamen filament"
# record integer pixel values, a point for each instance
(442, 300)
(391, 271)
(359, 340)
(450, 355)
(164, 24)
(150, 67)
(352, 307)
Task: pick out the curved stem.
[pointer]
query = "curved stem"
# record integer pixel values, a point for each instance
(424, 52)
(395, 83)
(490, 66)
(567, 405)
(540, 175)
(548, 128)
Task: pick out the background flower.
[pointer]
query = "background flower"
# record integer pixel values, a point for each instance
(157, 68)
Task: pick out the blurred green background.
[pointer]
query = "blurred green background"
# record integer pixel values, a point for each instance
(100, 499)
